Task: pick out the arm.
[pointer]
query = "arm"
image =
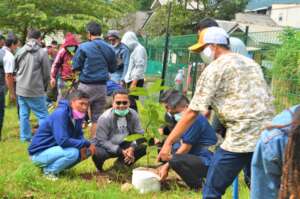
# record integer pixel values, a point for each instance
(140, 64)
(187, 120)
(45, 68)
(61, 132)
(184, 148)
(125, 57)
(103, 135)
(9, 66)
(137, 127)
(78, 59)
(57, 63)
(112, 59)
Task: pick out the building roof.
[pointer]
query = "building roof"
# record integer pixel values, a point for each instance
(254, 5)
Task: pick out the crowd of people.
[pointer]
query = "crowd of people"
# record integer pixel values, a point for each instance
(232, 103)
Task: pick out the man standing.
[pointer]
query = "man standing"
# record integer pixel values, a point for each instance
(95, 59)
(6, 73)
(122, 52)
(137, 64)
(235, 87)
(32, 76)
(113, 126)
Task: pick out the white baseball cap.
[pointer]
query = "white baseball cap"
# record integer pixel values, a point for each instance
(211, 35)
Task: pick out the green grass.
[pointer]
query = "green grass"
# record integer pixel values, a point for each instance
(19, 178)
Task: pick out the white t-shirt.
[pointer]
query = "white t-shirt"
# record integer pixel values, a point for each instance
(8, 60)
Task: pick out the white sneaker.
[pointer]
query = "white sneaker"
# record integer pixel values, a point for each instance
(51, 176)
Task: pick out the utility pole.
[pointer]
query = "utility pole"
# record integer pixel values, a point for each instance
(166, 49)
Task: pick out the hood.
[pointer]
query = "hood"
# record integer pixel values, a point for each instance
(70, 40)
(130, 40)
(32, 45)
(63, 104)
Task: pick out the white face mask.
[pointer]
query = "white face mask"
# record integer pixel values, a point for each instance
(207, 55)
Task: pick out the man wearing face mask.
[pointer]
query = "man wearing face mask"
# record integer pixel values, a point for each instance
(234, 86)
(61, 70)
(59, 143)
(190, 157)
(122, 52)
(137, 64)
(112, 127)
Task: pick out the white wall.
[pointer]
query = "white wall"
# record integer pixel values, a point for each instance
(286, 15)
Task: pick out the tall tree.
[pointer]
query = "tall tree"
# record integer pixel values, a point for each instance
(183, 19)
(52, 15)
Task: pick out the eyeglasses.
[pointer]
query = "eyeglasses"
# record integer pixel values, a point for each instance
(121, 102)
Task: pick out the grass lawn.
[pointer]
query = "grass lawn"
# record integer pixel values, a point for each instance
(19, 178)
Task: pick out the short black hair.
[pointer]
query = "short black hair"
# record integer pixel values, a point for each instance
(94, 28)
(166, 94)
(77, 94)
(11, 40)
(54, 42)
(2, 37)
(122, 91)
(206, 23)
(176, 99)
(34, 34)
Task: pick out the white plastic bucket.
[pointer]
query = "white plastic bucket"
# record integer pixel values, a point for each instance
(145, 180)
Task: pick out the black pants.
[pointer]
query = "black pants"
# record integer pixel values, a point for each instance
(132, 99)
(102, 154)
(190, 168)
(2, 107)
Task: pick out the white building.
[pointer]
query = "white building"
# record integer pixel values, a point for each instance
(286, 14)
(283, 12)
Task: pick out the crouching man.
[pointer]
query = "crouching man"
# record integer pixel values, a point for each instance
(59, 143)
(190, 157)
(112, 127)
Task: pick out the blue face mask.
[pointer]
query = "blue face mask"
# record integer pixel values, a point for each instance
(178, 116)
(121, 113)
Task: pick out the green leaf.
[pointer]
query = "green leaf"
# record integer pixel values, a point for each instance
(133, 137)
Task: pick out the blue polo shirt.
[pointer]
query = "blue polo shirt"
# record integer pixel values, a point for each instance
(200, 135)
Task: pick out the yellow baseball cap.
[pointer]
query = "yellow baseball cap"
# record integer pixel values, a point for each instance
(211, 35)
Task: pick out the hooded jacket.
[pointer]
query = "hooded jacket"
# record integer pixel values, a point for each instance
(32, 70)
(62, 64)
(137, 60)
(59, 129)
(94, 59)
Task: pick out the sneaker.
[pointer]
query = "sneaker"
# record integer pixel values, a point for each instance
(51, 176)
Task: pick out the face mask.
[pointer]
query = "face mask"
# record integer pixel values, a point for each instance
(178, 116)
(71, 48)
(77, 114)
(121, 113)
(207, 55)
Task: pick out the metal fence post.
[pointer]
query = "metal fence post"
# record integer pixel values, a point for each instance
(235, 192)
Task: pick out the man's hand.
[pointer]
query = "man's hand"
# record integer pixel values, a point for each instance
(92, 149)
(163, 172)
(52, 82)
(128, 155)
(165, 153)
(12, 97)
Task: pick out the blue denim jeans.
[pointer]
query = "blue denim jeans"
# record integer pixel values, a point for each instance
(55, 159)
(268, 158)
(225, 166)
(38, 107)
